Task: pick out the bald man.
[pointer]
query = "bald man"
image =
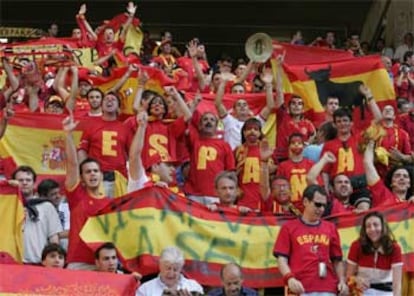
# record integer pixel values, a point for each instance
(232, 280)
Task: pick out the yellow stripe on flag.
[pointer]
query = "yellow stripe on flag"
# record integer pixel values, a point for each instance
(121, 182)
(41, 148)
(133, 40)
(381, 91)
(12, 217)
(209, 240)
(269, 129)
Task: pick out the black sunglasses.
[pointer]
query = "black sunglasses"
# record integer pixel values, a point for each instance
(319, 204)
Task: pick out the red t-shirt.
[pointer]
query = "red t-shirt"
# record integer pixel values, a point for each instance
(248, 164)
(104, 48)
(208, 157)
(370, 267)
(82, 206)
(338, 207)
(349, 160)
(406, 122)
(396, 138)
(305, 246)
(296, 173)
(82, 107)
(285, 127)
(106, 141)
(381, 195)
(160, 136)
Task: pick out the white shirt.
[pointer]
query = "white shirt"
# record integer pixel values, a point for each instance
(134, 185)
(156, 287)
(64, 208)
(400, 51)
(232, 129)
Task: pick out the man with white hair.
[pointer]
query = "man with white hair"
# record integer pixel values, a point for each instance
(170, 281)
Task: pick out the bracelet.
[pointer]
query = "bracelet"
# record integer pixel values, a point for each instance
(370, 98)
(287, 277)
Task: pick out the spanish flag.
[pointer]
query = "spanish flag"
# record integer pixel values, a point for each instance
(11, 221)
(144, 222)
(156, 82)
(37, 140)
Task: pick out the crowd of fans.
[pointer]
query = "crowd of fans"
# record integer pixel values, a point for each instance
(314, 170)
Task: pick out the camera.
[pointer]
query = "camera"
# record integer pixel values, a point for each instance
(405, 69)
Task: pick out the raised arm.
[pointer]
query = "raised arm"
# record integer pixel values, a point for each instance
(84, 24)
(221, 109)
(372, 104)
(103, 59)
(246, 72)
(280, 99)
(136, 168)
(410, 80)
(72, 164)
(142, 80)
(59, 82)
(124, 78)
(8, 112)
(13, 79)
(33, 91)
(194, 103)
(267, 78)
(131, 9)
(192, 49)
(316, 169)
(182, 106)
(70, 100)
(400, 78)
(370, 170)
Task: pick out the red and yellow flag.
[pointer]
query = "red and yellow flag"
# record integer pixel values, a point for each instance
(51, 281)
(342, 79)
(142, 223)
(315, 73)
(11, 221)
(157, 80)
(37, 140)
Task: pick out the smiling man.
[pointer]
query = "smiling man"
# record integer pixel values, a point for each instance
(309, 252)
(170, 280)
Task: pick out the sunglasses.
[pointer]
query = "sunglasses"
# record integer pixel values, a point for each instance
(319, 204)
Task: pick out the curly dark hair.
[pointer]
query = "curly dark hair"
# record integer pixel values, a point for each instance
(391, 172)
(386, 241)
